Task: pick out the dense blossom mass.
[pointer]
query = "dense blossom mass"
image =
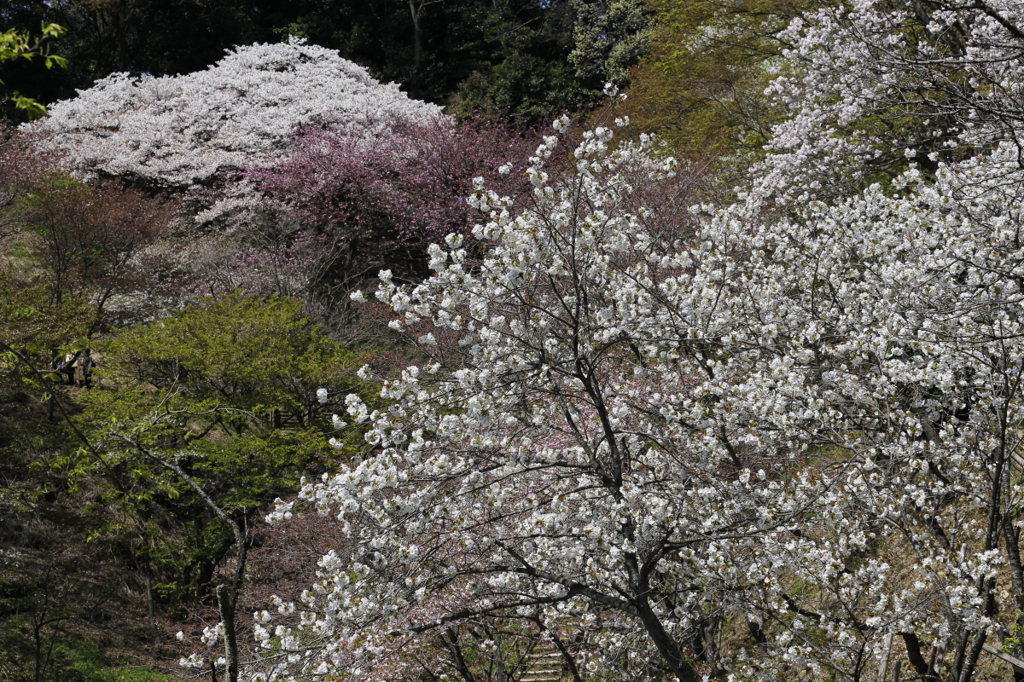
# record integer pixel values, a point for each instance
(407, 189)
(796, 427)
(869, 83)
(634, 441)
(189, 133)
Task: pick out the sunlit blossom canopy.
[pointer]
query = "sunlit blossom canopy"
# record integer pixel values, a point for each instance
(180, 131)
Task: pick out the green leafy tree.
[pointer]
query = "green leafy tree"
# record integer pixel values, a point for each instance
(199, 420)
(540, 59)
(522, 71)
(15, 45)
(32, 334)
(611, 36)
(53, 585)
(56, 589)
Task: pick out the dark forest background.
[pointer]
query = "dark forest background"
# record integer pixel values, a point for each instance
(507, 57)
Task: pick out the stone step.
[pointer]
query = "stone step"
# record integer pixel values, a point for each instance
(543, 666)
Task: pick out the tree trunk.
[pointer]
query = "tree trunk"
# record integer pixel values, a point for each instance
(226, 601)
(667, 647)
(415, 11)
(149, 606)
(226, 594)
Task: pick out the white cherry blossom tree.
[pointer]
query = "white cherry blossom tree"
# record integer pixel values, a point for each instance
(531, 469)
(574, 452)
(892, 322)
(190, 135)
(802, 430)
(867, 83)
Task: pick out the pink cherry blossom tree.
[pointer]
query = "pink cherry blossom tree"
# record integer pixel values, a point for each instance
(380, 203)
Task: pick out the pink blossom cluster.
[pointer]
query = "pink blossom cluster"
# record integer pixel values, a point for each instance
(404, 189)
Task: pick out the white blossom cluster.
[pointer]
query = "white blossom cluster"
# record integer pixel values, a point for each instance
(867, 79)
(190, 133)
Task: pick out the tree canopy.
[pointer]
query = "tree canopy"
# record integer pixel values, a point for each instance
(227, 391)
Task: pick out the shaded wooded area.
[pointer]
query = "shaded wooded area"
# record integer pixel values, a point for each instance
(511, 57)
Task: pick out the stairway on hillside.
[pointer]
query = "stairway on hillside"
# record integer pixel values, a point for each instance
(543, 666)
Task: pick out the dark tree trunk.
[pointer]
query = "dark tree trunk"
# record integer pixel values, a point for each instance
(666, 646)
(226, 601)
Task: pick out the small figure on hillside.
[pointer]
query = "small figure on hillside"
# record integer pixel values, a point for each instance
(82, 369)
(65, 367)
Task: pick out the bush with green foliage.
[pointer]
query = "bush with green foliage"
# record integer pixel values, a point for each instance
(227, 392)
